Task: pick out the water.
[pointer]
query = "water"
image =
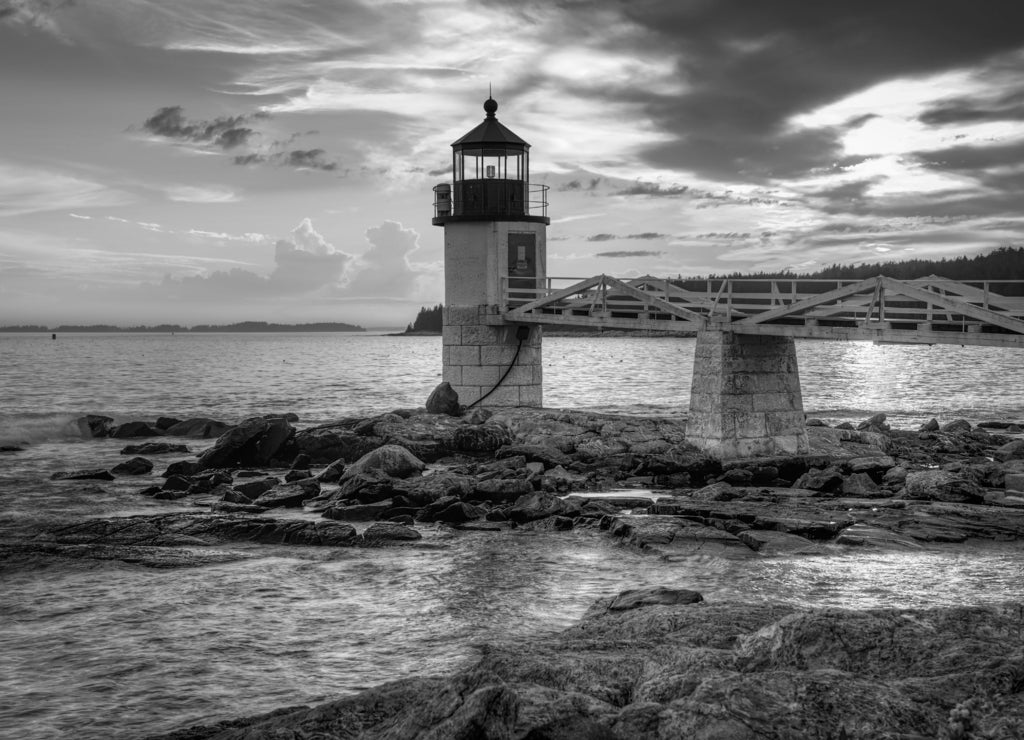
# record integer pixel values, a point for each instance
(98, 649)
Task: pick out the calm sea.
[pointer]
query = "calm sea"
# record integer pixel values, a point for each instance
(93, 649)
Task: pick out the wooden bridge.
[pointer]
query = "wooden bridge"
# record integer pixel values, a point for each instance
(929, 310)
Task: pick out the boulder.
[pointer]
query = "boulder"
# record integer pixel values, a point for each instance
(429, 488)
(932, 425)
(772, 543)
(177, 483)
(92, 474)
(444, 400)
(253, 443)
(958, 426)
(870, 464)
(940, 485)
(827, 480)
(385, 533)
(860, 484)
(155, 448)
(720, 491)
(135, 429)
(651, 596)
(391, 460)
(357, 512)
(288, 494)
(1010, 451)
(333, 442)
(135, 466)
(255, 488)
(182, 467)
(163, 423)
(501, 490)
(200, 428)
(459, 512)
(332, 473)
(539, 505)
(93, 425)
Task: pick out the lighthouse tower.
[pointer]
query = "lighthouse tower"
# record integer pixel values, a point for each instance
(495, 241)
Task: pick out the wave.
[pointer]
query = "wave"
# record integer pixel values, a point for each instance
(55, 426)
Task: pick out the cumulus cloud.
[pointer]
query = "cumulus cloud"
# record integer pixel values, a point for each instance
(385, 269)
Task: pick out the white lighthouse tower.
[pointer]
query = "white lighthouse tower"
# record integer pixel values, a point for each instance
(495, 249)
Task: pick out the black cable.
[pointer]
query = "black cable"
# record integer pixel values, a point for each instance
(521, 335)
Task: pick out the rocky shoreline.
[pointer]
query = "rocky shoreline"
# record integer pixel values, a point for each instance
(647, 664)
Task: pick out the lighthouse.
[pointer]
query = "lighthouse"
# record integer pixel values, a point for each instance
(495, 245)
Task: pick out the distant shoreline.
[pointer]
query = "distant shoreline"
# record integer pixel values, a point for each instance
(243, 327)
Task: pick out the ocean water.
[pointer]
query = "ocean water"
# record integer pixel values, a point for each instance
(106, 649)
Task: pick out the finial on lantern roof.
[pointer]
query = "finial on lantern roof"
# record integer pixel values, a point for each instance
(490, 105)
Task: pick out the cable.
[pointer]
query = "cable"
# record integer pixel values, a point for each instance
(522, 333)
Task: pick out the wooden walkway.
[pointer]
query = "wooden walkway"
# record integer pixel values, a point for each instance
(932, 310)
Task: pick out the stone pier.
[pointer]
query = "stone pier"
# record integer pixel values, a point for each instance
(477, 354)
(745, 398)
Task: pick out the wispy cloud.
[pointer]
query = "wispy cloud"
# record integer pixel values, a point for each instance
(199, 194)
(26, 190)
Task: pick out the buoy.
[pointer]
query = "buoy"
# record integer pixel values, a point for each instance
(53, 336)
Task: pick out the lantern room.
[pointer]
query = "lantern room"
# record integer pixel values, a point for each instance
(490, 178)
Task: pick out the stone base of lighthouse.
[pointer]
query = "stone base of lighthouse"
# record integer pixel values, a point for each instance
(745, 398)
(477, 354)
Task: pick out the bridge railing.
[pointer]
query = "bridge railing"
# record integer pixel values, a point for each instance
(770, 305)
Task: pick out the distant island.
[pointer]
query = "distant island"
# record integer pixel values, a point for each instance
(243, 326)
(428, 321)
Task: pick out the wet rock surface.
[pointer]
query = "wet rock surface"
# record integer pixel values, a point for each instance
(666, 664)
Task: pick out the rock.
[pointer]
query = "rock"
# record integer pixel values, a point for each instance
(391, 460)
(875, 424)
(501, 490)
(200, 428)
(11, 448)
(670, 536)
(332, 473)
(770, 542)
(480, 438)
(860, 484)
(932, 425)
(872, 464)
(1010, 451)
(301, 462)
(444, 400)
(865, 535)
(93, 474)
(135, 466)
(720, 491)
(254, 442)
(429, 488)
(155, 448)
(959, 426)
(176, 483)
(560, 479)
(135, 429)
(1014, 482)
(539, 505)
(181, 467)
(815, 423)
(383, 533)
(163, 423)
(828, 480)
(458, 512)
(255, 488)
(895, 476)
(939, 485)
(357, 512)
(654, 595)
(737, 476)
(288, 494)
(293, 475)
(93, 425)
(549, 456)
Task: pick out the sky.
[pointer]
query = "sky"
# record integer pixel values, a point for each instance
(204, 161)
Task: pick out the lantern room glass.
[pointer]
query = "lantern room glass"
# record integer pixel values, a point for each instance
(491, 164)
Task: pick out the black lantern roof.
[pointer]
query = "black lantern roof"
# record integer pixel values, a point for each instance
(491, 132)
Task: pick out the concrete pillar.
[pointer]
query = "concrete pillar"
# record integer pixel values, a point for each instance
(745, 398)
(475, 356)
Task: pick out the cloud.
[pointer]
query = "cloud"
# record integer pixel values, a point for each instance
(26, 190)
(642, 235)
(231, 134)
(653, 189)
(601, 237)
(197, 194)
(385, 268)
(630, 253)
(226, 132)
(38, 14)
